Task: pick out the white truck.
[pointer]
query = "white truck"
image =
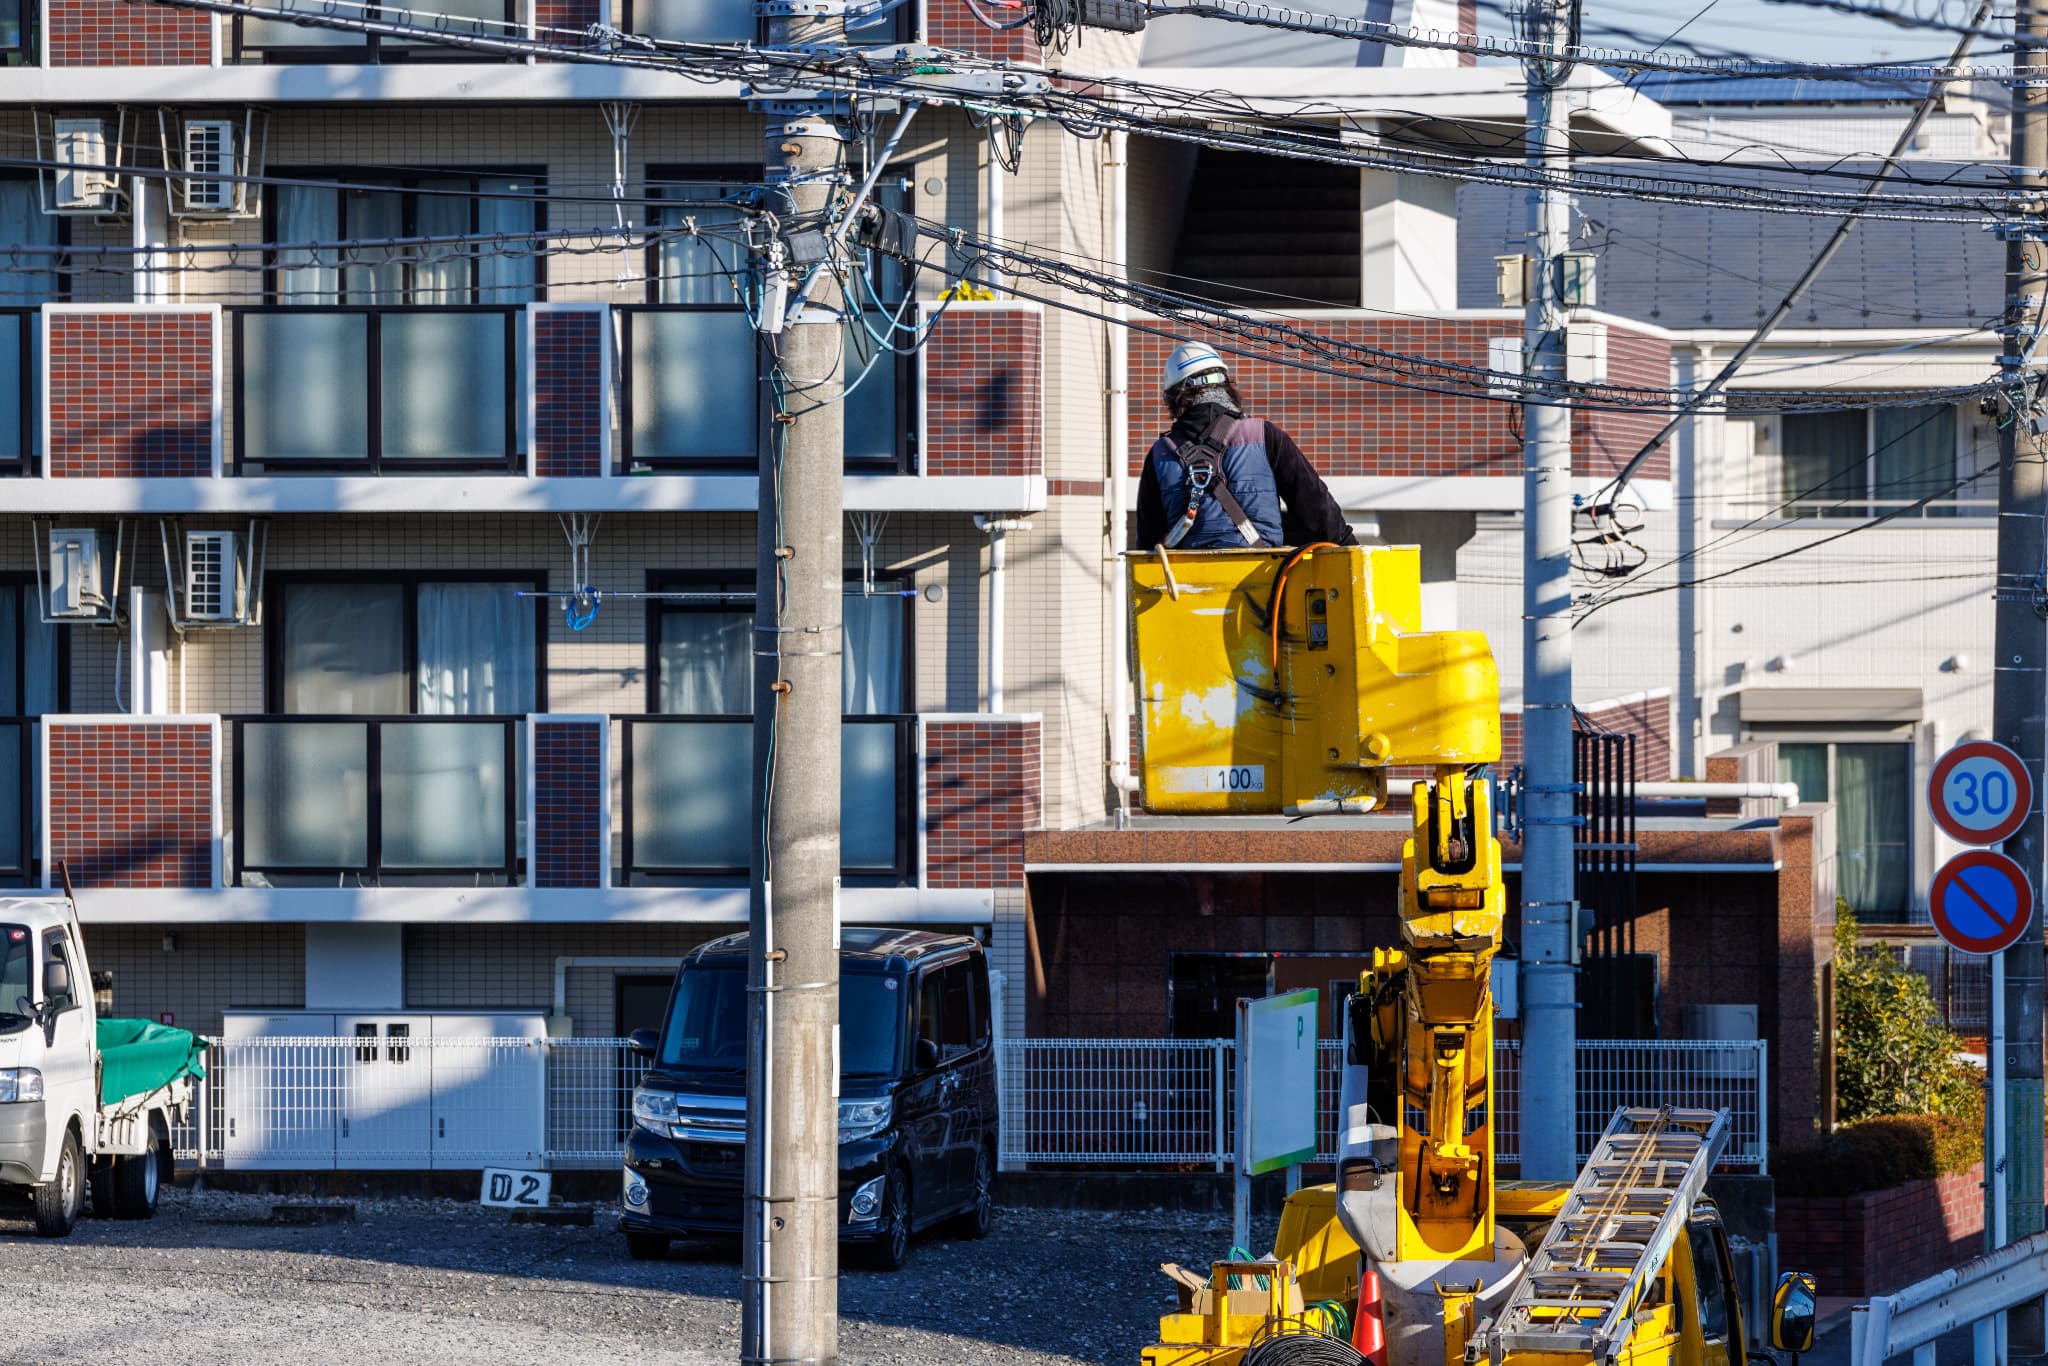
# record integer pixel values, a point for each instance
(85, 1103)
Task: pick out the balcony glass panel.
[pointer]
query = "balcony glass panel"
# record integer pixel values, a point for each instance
(694, 393)
(443, 794)
(867, 795)
(463, 16)
(691, 786)
(305, 795)
(14, 359)
(305, 387)
(444, 378)
(14, 795)
(284, 33)
(702, 21)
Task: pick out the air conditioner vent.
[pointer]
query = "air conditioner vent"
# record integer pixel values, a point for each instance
(81, 180)
(211, 151)
(74, 583)
(212, 576)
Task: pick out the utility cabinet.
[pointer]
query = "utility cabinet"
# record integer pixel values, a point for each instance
(397, 1090)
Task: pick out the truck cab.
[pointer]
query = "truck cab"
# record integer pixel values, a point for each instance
(86, 1105)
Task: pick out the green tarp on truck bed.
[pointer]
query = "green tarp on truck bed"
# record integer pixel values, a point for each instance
(137, 1057)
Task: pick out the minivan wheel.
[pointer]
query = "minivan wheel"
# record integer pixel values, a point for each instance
(890, 1251)
(980, 1216)
(646, 1247)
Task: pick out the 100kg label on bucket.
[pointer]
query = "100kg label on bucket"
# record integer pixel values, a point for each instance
(1221, 778)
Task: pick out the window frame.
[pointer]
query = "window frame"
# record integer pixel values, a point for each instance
(910, 10)
(406, 184)
(28, 318)
(409, 580)
(1766, 477)
(1900, 735)
(370, 52)
(375, 462)
(659, 176)
(23, 586)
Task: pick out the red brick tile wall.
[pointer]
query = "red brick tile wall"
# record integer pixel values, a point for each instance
(568, 393)
(1881, 1241)
(983, 398)
(568, 796)
(1351, 426)
(1468, 22)
(131, 804)
(127, 33)
(1649, 721)
(130, 395)
(951, 24)
(981, 794)
(566, 14)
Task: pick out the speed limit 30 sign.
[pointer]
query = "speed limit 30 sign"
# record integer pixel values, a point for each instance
(1980, 792)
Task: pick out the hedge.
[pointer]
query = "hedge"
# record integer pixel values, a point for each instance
(1877, 1154)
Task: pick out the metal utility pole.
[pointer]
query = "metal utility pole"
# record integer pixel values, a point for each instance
(2020, 686)
(790, 1296)
(1550, 1025)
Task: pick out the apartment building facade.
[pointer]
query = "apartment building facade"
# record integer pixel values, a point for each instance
(287, 487)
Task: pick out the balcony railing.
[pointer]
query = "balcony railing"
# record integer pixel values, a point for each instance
(17, 378)
(17, 801)
(1839, 507)
(352, 389)
(386, 800)
(285, 41)
(690, 797)
(734, 21)
(693, 398)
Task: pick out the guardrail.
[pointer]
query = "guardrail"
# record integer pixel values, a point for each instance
(1113, 1103)
(1911, 1320)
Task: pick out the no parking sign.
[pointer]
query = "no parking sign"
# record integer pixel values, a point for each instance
(1981, 902)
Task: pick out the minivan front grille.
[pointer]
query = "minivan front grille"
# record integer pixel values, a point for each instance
(710, 1119)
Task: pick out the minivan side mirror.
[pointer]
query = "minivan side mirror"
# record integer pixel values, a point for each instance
(56, 979)
(925, 1056)
(644, 1042)
(1793, 1308)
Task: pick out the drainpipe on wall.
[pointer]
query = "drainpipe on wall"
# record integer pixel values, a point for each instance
(997, 529)
(1120, 776)
(992, 273)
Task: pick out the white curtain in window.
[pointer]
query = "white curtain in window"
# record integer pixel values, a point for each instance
(706, 663)
(306, 213)
(380, 278)
(476, 650)
(872, 681)
(502, 277)
(694, 270)
(442, 210)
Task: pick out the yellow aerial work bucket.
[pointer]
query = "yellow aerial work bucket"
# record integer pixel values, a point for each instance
(1289, 681)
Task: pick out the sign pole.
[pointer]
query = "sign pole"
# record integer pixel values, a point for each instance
(1994, 1152)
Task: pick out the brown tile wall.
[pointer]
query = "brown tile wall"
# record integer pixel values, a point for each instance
(951, 24)
(568, 398)
(131, 804)
(984, 393)
(568, 792)
(1379, 429)
(131, 394)
(127, 33)
(982, 792)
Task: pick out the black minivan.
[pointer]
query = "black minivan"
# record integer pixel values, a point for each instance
(917, 1096)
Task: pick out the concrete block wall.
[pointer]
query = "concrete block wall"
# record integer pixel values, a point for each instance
(190, 971)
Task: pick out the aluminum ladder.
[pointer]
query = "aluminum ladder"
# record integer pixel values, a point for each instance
(1620, 1221)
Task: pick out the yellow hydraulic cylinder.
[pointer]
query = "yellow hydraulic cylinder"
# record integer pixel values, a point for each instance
(1274, 681)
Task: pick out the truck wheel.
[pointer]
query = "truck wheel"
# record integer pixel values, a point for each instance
(57, 1204)
(103, 1206)
(646, 1247)
(136, 1179)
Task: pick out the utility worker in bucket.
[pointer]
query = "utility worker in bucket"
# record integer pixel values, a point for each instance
(1222, 481)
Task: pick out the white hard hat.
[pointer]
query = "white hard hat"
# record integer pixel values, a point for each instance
(1190, 359)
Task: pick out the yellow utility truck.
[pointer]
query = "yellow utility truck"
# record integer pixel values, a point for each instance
(1289, 682)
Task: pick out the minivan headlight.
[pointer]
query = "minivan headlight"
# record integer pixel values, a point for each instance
(654, 1109)
(861, 1118)
(20, 1083)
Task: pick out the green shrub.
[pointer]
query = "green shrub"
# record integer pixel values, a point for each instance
(1877, 1154)
(1893, 1053)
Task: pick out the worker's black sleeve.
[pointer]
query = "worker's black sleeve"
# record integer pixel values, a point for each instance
(1151, 510)
(1308, 513)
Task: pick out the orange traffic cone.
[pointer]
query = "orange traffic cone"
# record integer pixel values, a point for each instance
(1368, 1332)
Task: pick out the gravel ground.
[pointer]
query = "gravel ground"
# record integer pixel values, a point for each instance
(211, 1278)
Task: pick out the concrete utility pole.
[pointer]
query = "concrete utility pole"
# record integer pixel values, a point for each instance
(2020, 686)
(1550, 1026)
(790, 1299)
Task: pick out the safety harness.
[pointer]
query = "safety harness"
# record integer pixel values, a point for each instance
(1203, 460)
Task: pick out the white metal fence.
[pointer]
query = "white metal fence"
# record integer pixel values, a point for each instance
(456, 1104)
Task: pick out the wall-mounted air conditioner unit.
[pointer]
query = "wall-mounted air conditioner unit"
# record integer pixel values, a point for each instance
(215, 162)
(214, 586)
(82, 182)
(74, 581)
(211, 151)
